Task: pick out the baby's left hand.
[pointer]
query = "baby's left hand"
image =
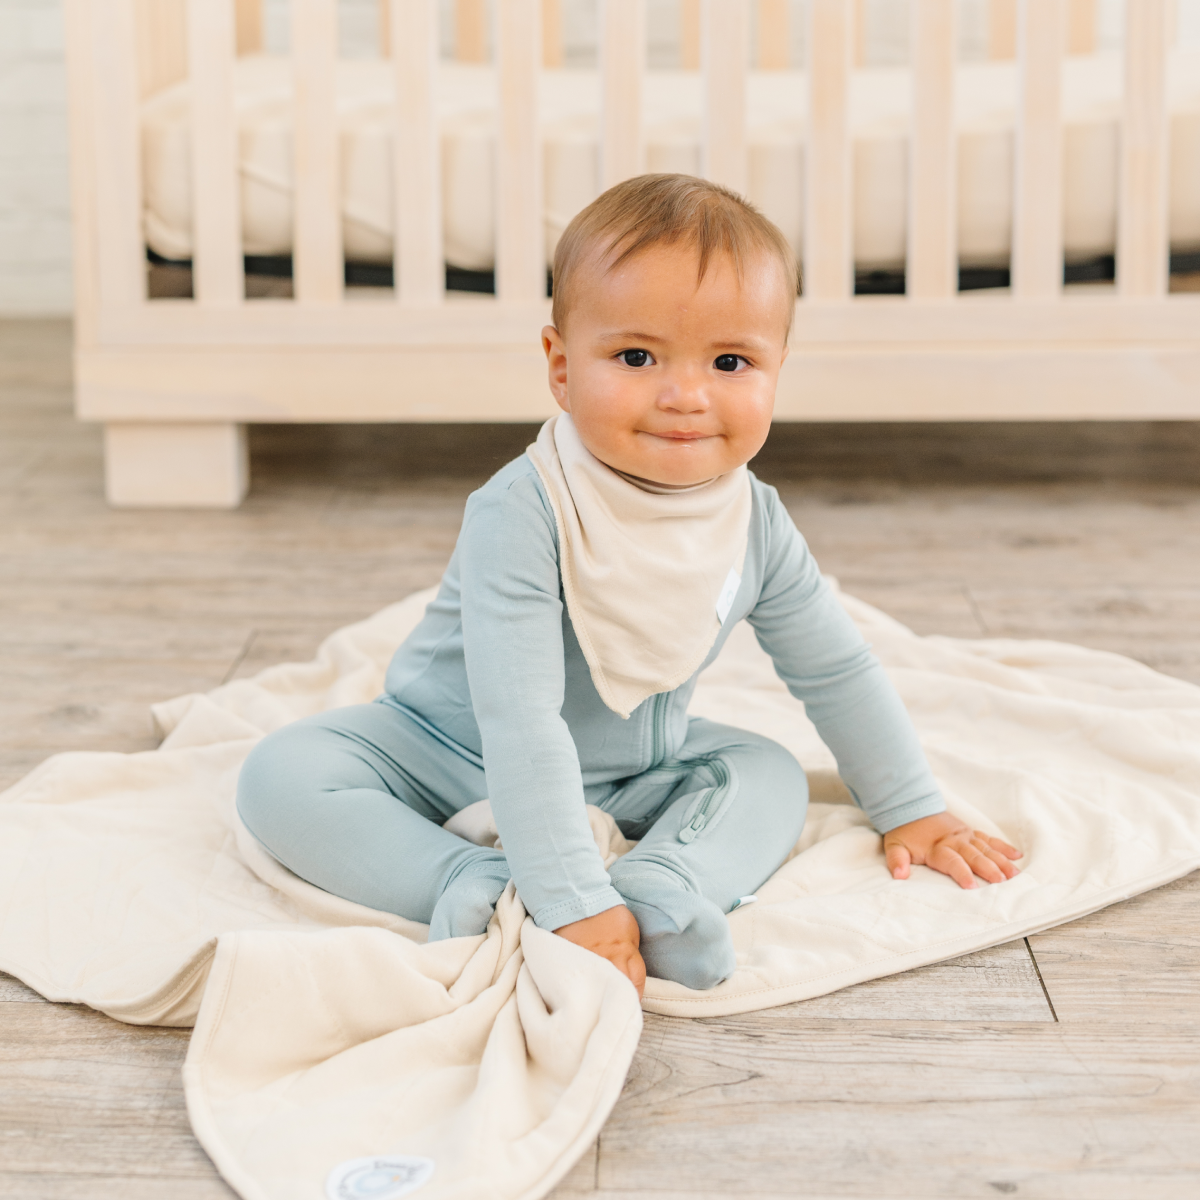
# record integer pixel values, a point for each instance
(949, 845)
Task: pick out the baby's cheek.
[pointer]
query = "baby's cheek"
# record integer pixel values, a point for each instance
(603, 429)
(751, 419)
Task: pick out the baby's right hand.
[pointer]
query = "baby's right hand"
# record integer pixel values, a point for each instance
(612, 934)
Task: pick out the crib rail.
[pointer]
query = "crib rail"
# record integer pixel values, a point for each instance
(1030, 352)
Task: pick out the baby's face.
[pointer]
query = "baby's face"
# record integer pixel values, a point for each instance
(667, 380)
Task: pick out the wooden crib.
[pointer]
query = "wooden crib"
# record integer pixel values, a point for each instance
(175, 382)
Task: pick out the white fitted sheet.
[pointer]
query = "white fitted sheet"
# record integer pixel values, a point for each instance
(569, 103)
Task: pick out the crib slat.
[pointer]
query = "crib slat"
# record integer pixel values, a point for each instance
(217, 277)
(828, 249)
(520, 239)
(162, 43)
(80, 53)
(249, 26)
(385, 27)
(774, 35)
(724, 46)
(1002, 29)
(622, 60)
(932, 268)
(419, 266)
(553, 50)
(1037, 207)
(471, 30)
(317, 253)
(1142, 210)
(1081, 27)
(860, 33)
(120, 251)
(689, 34)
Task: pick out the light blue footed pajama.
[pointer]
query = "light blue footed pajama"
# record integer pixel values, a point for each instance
(490, 696)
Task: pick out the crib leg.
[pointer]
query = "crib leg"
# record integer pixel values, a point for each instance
(176, 464)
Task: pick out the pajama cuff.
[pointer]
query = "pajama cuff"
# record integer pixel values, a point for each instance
(914, 810)
(578, 908)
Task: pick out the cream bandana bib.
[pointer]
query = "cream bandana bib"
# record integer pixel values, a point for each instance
(649, 576)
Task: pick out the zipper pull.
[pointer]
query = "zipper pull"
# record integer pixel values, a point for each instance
(689, 831)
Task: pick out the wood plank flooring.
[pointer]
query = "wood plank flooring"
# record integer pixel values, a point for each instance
(1065, 1065)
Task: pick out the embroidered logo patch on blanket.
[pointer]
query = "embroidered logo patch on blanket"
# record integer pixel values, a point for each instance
(386, 1178)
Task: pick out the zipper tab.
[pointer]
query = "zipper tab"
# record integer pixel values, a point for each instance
(711, 804)
(699, 818)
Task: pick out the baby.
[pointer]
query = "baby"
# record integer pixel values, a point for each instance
(594, 578)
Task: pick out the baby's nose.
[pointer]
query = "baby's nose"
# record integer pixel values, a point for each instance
(686, 393)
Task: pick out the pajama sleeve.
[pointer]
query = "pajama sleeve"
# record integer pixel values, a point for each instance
(512, 626)
(820, 655)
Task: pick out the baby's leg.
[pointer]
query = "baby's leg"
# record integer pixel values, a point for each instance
(353, 801)
(736, 810)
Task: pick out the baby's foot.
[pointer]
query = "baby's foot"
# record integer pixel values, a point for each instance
(685, 937)
(466, 906)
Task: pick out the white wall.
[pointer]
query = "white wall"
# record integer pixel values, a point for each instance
(35, 233)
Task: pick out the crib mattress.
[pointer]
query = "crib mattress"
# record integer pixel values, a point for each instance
(569, 106)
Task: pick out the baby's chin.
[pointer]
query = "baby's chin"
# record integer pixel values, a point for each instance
(674, 463)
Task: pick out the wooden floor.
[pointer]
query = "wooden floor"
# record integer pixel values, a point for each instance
(1065, 1065)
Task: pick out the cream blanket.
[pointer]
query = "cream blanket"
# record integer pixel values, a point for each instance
(336, 1055)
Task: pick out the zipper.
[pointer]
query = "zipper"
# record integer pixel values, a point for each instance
(658, 728)
(708, 807)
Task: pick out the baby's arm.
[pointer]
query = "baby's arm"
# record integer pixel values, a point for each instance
(512, 621)
(821, 656)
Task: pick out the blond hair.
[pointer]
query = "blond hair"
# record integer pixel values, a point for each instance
(653, 210)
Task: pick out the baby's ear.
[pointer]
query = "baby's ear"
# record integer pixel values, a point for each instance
(556, 362)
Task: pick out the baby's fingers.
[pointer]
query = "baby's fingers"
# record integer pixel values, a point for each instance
(634, 966)
(1000, 859)
(898, 860)
(985, 865)
(951, 863)
(1000, 844)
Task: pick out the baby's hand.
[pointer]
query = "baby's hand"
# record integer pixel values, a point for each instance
(612, 934)
(949, 845)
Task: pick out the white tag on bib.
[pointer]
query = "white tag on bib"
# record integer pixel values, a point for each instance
(733, 581)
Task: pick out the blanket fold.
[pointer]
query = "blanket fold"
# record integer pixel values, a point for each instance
(495, 1059)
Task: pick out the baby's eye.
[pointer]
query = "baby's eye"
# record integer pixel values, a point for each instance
(729, 362)
(635, 358)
